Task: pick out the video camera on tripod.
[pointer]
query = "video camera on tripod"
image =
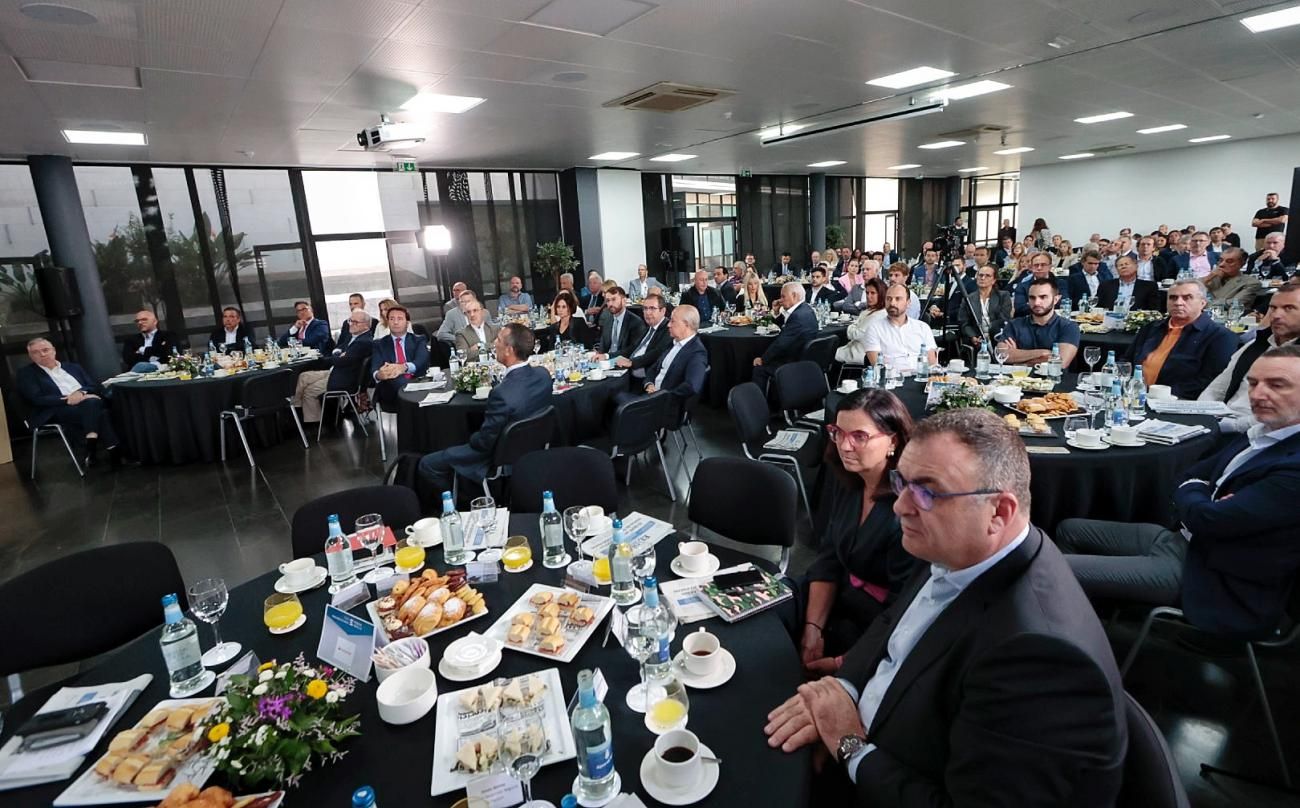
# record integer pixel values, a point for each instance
(949, 240)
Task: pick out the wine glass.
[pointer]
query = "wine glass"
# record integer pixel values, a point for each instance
(643, 565)
(1002, 354)
(1125, 370)
(576, 523)
(669, 709)
(370, 532)
(1091, 355)
(208, 599)
(519, 740)
(638, 646)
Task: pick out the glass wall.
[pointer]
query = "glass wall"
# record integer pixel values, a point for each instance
(708, 205)
(22, 237)
(987, 202)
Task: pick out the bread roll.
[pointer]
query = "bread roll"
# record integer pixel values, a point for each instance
(428, 618)
(411, 608)
(454, 608)
(440, 594)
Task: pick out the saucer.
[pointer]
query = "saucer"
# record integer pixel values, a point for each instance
(725, 670)
(524, 568)
(1133, 445)
(465, 675)
(398, 568)
(319, 576)
(658, 730)
(205, 679)
(669, 795)
(294, 625)
(477, 397)
(845, 392)
(1073, 443)
(711, 566)
(615, 788)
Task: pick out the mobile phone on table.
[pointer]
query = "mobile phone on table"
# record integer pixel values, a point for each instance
(736, 580)
(58, 727)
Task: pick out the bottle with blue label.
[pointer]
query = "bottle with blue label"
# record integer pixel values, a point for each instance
(595, 742)
(656, 622)
(552, 530)
(1118, 412)
(1111, 368)
(1137, 395)
(1066, 309)
(180, 649)
(453, 533)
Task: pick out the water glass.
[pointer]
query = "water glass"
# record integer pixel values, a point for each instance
(370, 532)
(484, 511)
(576, 523)
(208, 599)
(643, 565)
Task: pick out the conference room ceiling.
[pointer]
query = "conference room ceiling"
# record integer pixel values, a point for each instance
(290, 82)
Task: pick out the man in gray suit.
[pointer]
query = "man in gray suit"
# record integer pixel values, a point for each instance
(476, 338)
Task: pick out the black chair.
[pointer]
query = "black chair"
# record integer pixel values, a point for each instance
(48, 428)
(749, 414)
(575, 475)
(125, 584)
(263, 395)
(1151, 777)
(821, 351)
(519, 438)
(398, 505)
(680, 427)
(636, 426)
(799, 387)
(714, 507)
(347, 399)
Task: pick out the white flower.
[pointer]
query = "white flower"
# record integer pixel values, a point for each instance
(265, 676)
(236, 764)
(260, 689)
(222, 754)
(308, 672)
(281, 674)
(332, 697)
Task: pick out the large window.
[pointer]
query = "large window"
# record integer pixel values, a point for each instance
(22, 236)
(987, 202)
(707, 204)
(879, 213)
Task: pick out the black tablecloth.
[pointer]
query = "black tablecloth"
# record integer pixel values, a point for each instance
(581, 411)
(1121, 484)
(174, 421)
(1117, 341)
(731, 357)
(396, 760)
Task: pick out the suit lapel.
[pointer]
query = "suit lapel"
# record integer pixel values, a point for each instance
(1268, 456)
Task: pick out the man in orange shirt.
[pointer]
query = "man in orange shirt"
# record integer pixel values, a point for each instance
(1187, 349)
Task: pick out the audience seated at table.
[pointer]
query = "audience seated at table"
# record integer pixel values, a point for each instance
(1086, 277)
(455, 320)
(855, 350)
(151, 347)
(862, 566)
(452, 302)
(896, 339)
(620, 329)
(355, 301)
(1028, 340)
(642, 284)
(1232, 559)
(735, 280)
(783, 266)
(926, 269)
(851, 278)
(989, 307)
(684, 367)
(798, 328)
(1062, 255)
(1040, 268)
(703, 297)
(1226, 282)
(232, 333)
(1198, 259)
(592, 296)
(476, 338)
(653, 344)
(1187, 349)
(65, 394)
(1267, 262)
(523, 391)
(990, 680)
(307, 330)
(516, 301)
(751, 295)
(1280, 327)
(397, 358)
(725, 290)
(823, 290)
(567, 324)
(1128, 288)
(345, 366)
(862, 273)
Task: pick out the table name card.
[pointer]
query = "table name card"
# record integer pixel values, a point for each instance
(496, 790)
(578, 584)
(618, 625)
(482, 572)
(350, 596)
(347, 642)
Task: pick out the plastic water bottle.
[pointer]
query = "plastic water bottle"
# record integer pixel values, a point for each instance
(1118, 412)
(338, 556)
(1054, 364)
(212, 348)
(595, 741)
(922, 365)
(1066, 308)
(1110, 369)
(453, 533)
(453, 364)
(1137, 395)
(982, 362)
(180, 648)
(622, 589)
(1085, 303)
(248, 348)
(658, 624)
(552, 530)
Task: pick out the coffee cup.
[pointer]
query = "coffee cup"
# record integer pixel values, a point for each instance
(701, 653)
(957, 366)
(693, 555)
(848, 385)
(1123, 435)
(298, 572)
(1160, 391)
(596, 374)
(424, 531)
(482, 391)
(1088, 437)
(677, 758)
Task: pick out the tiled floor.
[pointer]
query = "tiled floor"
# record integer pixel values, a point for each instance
(233, 521)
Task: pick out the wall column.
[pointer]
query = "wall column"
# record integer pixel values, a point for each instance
(817, 210)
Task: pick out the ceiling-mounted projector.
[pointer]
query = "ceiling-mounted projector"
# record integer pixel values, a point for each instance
(387, 135)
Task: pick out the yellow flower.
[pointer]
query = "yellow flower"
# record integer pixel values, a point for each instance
(218, 732)
(317, 688)
(266, 666)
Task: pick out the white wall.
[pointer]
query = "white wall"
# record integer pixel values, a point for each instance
(1201, 185)
(622, 225)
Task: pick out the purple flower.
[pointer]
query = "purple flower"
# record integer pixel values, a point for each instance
(273, 707)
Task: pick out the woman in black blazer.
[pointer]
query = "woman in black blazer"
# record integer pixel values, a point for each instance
(989, 302)
(565, 326)
(862, 565)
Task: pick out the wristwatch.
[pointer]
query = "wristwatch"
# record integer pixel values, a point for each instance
(849, 746)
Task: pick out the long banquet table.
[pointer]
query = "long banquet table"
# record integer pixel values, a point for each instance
(397, 760)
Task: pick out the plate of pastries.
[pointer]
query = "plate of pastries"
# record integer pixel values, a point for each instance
(427, 605)
(1051, 405)
(550, 621)
(188, 795)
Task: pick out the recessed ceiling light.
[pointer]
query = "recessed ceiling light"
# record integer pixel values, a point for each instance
(826, 164)
(971, 90)
(1208, 138)
(1107, 116)
(1273, 20)
(1059, 42)
(672, 158)
(1078, 156)
(911, 78)
(1155, 130)
(614, 155)
(904, 166)
(1016, 150)
(782, 129)
(942, 144)
(105, 138)
(569, 76)
(437, 102)
(972, 170)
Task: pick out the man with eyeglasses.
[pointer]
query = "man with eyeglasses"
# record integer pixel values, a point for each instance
(653, 344)
(1198, 259)
(1022, 689)
(148, 350)
(309, 331)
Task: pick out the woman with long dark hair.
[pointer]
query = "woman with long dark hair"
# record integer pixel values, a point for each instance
(1041, 234)
(873, 300)
(567, 323)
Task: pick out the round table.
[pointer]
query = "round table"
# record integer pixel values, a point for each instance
(1117, 483)
(1117, 341)
(174, 422)
(396, 760)
(732, 352)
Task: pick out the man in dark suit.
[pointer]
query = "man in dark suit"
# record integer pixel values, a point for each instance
(1187, 349)
(784, 267)
(973, 687)
(653, 344)
(233, 331)
(1139, 294)
(1234, 560)
(1086, 276)
(310, 332)
(146, 351)
(823, 291)
(523, 392)
(64, 394)
(345, 368)
(397, 358)
(620, 330)
(703, 297)
(592, 296)
(798, 328)
(355, 301)
(683, 369)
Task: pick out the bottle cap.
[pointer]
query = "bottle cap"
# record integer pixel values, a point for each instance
(363, 797)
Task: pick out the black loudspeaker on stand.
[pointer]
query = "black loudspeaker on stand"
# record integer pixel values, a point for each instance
(677, 253)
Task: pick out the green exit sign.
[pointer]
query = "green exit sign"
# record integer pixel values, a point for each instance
(746, 173)
(403, 164)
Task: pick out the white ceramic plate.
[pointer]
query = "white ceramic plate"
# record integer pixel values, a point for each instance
(574, 637)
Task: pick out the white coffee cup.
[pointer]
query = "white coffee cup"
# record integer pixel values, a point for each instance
(1123, 434)
(678, 773)
(957, 366)
(596, 374)
(700, 653)
(483, 391)
(298, 572)
(848, 385)
(693, 555)
(425, 531)
(1088, 437)
(1160, 391)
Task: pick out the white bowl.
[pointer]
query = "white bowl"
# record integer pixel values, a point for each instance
(424, 660)
(1006, 394)
(408, 695)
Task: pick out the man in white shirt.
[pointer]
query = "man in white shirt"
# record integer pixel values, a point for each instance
(63, 393)
(1283, 327)
(897, 339)
(1146, 259)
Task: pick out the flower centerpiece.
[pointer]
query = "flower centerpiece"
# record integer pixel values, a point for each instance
(471, 377)
(183, 363)
(960, 397)
(278, 724)
(1139, 318)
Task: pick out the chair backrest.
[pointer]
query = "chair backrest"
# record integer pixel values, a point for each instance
(800, 386)
(575, 475)
(524, 436)
(821, 351)
(397, 504)
(122, 584)
(363, 377)
(637, 421)
(749, 413)
(267, 391)
(1151, 777)
(714, 504)
(679, 412)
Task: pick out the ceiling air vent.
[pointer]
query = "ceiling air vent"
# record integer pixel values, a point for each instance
(667, 96)
(1110, 149)
(974, 132)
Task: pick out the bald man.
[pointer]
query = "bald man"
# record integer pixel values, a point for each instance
(145, 351)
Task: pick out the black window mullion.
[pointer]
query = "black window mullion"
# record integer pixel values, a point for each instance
(202, 236)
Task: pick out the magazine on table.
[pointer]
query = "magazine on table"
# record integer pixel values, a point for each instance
(733, 603)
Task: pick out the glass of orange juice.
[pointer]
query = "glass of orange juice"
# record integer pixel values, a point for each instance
(409, 557)
(517, 555)
(600, 569)
(281, 613)
(670, 710)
